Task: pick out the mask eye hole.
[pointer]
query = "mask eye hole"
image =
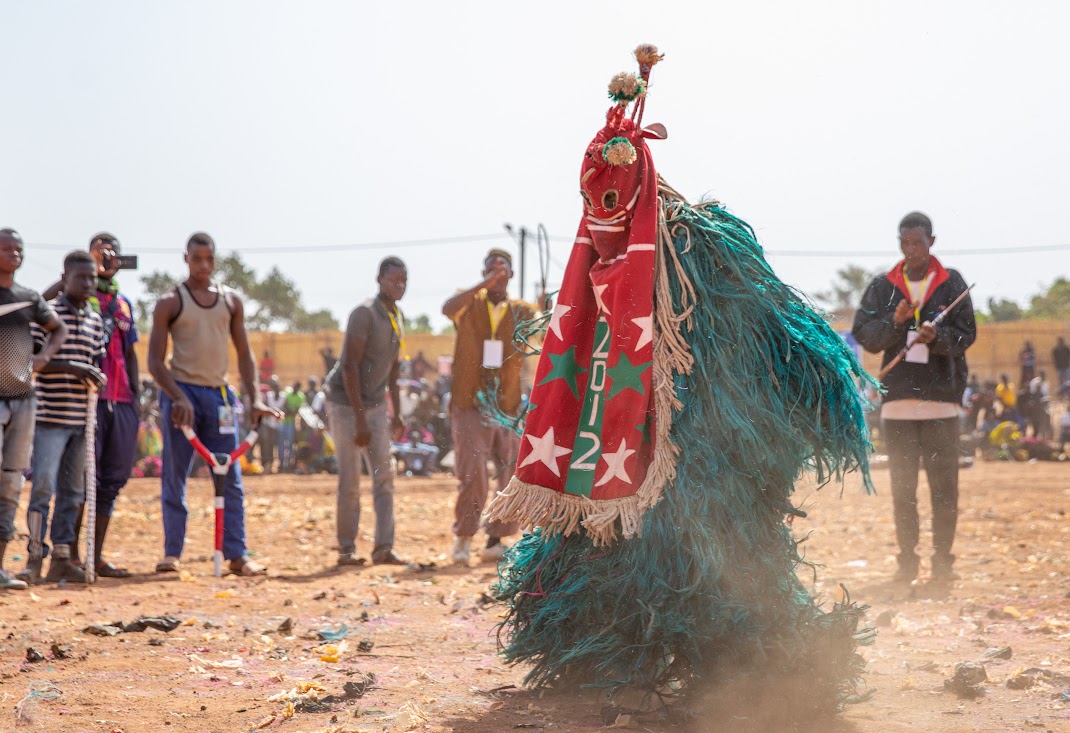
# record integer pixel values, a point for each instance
(586, 199)
(609, 199)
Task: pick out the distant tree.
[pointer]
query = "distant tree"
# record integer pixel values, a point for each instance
(156, 285)
(419, 324)
(1053, 304)
(847, 289)
(312, 321)
(273, 302)
(1003, 310)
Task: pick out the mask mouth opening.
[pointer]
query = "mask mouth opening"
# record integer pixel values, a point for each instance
(610, 199)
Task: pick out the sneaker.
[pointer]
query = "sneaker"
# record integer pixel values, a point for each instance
(31, 574)
(7, 582)
(493, 553)
(462, 550)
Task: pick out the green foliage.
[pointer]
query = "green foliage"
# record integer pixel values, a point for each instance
(156, 285)
(1003, 310)
(419, 324)
(847, 289)
(1053, 304)
(273, 302)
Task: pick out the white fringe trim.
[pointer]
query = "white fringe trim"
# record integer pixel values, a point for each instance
(558, 513)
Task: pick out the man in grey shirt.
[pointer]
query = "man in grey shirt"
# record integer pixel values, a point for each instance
(357, 386)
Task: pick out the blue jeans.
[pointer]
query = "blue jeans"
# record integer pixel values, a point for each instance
(177, 462)
(286, 446)
(58, 468)
(16, 439)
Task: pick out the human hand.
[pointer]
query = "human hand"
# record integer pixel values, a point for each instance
(40, 362)
(89, 374)
(364, 434)
(497, 278)
(182, 412)
(926, 333)
(903, 312)
(398, 428)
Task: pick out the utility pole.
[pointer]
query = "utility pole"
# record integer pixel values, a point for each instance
(521, 237)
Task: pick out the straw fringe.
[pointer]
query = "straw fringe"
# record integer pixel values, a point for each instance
(557, 513)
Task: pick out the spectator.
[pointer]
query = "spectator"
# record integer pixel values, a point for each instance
(420, 366)
(1039, 406)
(1027, 358)
(1061, 356)
(59, 442)
(275, 399)
(200, 318)
(485, 360)
(920, 414)
(118, 411)
(357, 388)
(19, 308)
(293, 400)
(329, 359)
(267, 367)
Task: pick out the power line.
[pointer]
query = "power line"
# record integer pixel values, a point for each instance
(884, 254)
(401, 243)
(265, 249)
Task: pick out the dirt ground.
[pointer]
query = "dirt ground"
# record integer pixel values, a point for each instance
(427, 633)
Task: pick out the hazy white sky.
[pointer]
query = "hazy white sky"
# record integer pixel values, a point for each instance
(281, 126)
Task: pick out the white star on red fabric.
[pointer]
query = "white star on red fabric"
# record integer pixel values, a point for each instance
(598, 290)
(545, 451)
(646, 323)
(615, 465)
(555, 320)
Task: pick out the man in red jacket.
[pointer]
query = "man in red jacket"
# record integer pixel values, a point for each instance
(920, 412)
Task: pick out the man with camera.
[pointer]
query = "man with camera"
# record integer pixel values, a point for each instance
(117, 408)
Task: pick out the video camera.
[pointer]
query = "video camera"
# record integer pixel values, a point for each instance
(121, 262)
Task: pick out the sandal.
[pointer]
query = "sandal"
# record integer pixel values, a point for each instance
(168, 565)
(246, 567)
(348, 559)
(107, 570)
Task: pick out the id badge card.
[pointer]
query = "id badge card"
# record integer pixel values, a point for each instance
(227, 425)
(916, 353)
(492, 353)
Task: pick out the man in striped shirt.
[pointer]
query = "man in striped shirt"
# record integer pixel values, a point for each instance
(59, 441)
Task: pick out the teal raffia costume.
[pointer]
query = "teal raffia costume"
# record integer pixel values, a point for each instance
(662, 556)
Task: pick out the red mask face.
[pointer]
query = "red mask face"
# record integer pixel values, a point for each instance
(610, 192)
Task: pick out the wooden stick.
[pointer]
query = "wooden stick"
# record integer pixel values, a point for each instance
(936, 321)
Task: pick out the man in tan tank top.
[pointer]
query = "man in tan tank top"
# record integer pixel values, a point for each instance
(201, 317)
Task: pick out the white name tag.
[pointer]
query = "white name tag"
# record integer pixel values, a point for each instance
(492, 354)
(917, 353)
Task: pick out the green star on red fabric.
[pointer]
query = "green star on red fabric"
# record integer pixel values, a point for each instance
(564, 366)
(626, 375)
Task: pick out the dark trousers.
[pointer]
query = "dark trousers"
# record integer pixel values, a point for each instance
(269, 438)
(936, 444)
(117, 424)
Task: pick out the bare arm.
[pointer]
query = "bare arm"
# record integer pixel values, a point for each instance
(166, 310)
(132, 373)
(56, 334)
(53, 290)
(246, 363)
(395, 397)
(453, 307)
